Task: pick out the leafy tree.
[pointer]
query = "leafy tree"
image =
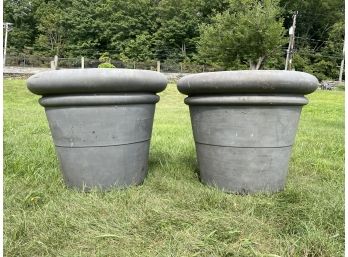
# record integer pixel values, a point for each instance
(51, 28)
(178, 26)
(105, 61)
(21, 14)
(233, 34)
(324, 64)
(248, 33)
(302, 59)
(332, 51)
(139, 49)
(125, 21)
(315, 18)
(84, 26)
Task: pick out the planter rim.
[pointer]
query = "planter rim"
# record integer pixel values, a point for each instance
(93, 100)
(96, 80)
(248, 81)
(247, 100)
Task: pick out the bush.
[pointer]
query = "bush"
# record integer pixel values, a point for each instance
(106, 65)
(105, 58)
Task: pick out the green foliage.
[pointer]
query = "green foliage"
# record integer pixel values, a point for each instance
(332, 51)
(106, 65)
(315, 18)
(123, 21)
(230, 34)
(247, 34)
(139, 49)
(323, 64)
(51, 28)
(84, 20)
(105, 58)
(105, 61)
(21, 14)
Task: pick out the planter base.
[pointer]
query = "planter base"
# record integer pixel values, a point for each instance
(104, 167)
(243, 170)
(104, 145)
(244, 149)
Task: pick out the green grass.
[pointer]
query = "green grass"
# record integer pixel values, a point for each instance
(172, 213)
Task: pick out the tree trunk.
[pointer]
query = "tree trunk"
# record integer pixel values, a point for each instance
(259, 62)
(256, 66)
(251, 65)
(183, 48)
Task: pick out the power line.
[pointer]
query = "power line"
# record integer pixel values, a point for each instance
(318, 40)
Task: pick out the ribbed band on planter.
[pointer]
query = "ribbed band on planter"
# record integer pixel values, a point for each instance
(244, 125)
(246, 100)
(110, 99)
(101, 123)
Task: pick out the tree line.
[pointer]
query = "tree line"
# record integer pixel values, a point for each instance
(233, 34)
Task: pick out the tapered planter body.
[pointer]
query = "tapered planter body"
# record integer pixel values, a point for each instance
(101, 123)
(244, 125)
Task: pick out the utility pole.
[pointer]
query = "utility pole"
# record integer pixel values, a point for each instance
(7, 29)
(342, 64)
(289, 52)
(159, 66)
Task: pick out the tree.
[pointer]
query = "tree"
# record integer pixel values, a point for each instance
(83, 24)
(233, 34)
(178, 26)
(332, 51)
(105, 61)
(51, 27)
(139, 49)
(315, 18)
(126, 19)
(21, 14)
(248, 33)
(324, 64)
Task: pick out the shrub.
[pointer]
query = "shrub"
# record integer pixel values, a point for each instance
(106, 65)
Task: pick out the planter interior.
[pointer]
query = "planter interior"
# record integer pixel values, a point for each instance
(244, 125)
(101, 123)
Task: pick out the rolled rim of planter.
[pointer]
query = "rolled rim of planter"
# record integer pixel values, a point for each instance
(246, 100)
(96, 80)
(248, 82)
(88, 100)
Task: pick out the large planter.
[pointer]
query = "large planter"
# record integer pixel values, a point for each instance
(101, 122)
(244, 125)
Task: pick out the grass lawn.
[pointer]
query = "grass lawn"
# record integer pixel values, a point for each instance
(172, 213)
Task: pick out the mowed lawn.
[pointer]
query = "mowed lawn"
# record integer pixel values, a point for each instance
(172, 213)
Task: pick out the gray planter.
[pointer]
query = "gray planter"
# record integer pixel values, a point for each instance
(101, 122)
(244, 125)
